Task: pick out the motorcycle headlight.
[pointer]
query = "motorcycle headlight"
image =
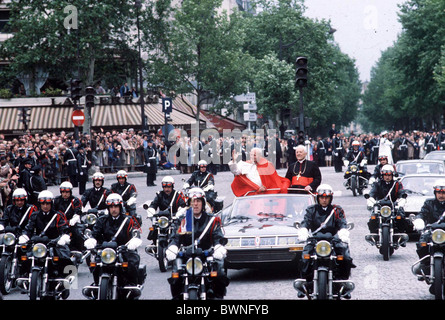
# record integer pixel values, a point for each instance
(163, 222)
(39, 250)
(108, 256)
(353, 168)
(385, 211)
(323, 248)
(194, 266)
(9, 239)
(438, 236)
(91, 218)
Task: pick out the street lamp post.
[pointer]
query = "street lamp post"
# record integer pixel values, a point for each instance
(138, 6)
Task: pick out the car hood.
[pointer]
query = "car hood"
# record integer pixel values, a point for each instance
(258, 229)
(415, 203)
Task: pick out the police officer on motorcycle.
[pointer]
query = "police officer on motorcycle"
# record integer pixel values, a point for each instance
(126, 190)
(358, 156)
(71, 206)
(17, 214)
(167, 198)
(96, 195)
(203, 179)
(326, 217)
(387, 188)
(208, 229)
(48, 224)
(117, 227)
(432, 212)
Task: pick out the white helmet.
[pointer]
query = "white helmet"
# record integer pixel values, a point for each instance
(355, 143)
(45, 196)
(197, 193)
(202, 163)
(387, 169)
(121, 174)
(325, 190)
(98, 176)
(115, 199)
(66, 185)
(19, 193)
(168, 180)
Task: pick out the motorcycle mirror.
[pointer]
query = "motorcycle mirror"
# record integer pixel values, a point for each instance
(297, 225)
(404, 196)
(350, 225)
(136, 233)
(366, 195)
(88, 233)
(412, 217)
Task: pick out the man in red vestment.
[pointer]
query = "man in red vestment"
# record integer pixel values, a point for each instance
(256, 176)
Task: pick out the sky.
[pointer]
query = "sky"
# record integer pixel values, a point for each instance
(365, 28)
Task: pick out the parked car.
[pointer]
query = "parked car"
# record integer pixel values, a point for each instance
(261, 229)
(418, 166)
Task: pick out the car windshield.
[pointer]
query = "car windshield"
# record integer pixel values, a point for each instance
(270, 208)
(435, 156)
(420, 185)
(420, 167)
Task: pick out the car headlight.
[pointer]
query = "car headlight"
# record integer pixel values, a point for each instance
(39, 250)
(108, 255)
(323, 248)
(385, 211)
(163, 222)
(194, 266)
(438, 236)
(282, 241)
(91, 218)
(9, 239)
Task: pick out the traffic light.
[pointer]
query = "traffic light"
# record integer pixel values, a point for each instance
(76, 89)
(301, 139)
(24, 115)
(89, 97)
(301, 72)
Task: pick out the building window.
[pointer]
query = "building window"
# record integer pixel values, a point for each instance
(4, 18)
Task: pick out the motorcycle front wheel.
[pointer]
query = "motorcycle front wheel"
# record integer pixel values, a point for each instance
(385, 248)
(193, 294)
(36, 284)
(105, 289)
(162, 258)
(354, 185)
(438, 283)
(5, 272)
(322, 284)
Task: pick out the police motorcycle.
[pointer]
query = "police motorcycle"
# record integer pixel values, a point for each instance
(130, 203)
(388, 215)
(324, 263)
(11, 251)
(11, 263)
(356, 176)
(435, 259)
(164, 222)
(107, 259)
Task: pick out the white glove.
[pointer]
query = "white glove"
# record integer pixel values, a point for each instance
(171, 252)
(23, 239)
(302, 234)
(75, 219)
(208, 187)
(134, 243)
(185, 185)
(371, 180)
(419, 224)
(64, 240)
(220, 252)
(90, 243)
(181, 212)
(343, 234)
(2, 227)
(363, 163)
(131, 201)
(345, 163)
(150, 212)
(370, 202)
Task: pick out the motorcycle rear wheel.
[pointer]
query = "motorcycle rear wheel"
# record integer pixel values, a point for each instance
(438, 283)
(5, 270)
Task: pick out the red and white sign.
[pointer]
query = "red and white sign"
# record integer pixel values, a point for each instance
(78, 118)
